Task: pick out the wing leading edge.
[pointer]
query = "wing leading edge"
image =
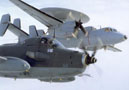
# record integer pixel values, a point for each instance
(41, 16)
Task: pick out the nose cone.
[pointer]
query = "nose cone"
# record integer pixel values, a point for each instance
(118, 37)
(125, 37)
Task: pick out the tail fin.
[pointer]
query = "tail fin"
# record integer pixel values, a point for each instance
(15, 28)
(33, 31)
(5, 19)
(4, 24)
(17, 22)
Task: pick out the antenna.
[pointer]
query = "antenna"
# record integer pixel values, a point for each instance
(54, 34)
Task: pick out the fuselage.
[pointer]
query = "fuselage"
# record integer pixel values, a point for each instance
(96, 39)
(46, 62)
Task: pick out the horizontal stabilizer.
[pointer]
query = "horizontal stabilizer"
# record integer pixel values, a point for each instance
(17, 31)
(17, 22)
(15, 28)
(113, 49)
(32, 31)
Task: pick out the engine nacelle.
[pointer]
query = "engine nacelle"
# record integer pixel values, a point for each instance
(12, 64)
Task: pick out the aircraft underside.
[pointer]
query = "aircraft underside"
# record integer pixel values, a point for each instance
(46, 74)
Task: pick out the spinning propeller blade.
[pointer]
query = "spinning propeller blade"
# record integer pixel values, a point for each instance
(79, 26)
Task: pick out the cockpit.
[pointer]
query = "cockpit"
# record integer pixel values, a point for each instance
(43, 41)
(51, 42)
(108, 29)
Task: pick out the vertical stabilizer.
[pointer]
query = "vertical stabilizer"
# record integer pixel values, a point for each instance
(32, 31)
(17, 22)
(4, 24)
(5, 19)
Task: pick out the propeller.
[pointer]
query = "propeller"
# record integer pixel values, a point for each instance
(94, 52)
(98, 69)
(79, 26)
(89, 59)
(90, 62)
(92, 71)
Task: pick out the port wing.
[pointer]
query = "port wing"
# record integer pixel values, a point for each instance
(41, 16)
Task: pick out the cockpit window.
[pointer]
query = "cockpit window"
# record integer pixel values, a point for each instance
(52, 43)
(114, 30)
(58, 44)
(108, 29)
(44, 40)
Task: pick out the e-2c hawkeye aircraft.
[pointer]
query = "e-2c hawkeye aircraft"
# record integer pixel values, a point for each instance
(69, 29)
(39, 57)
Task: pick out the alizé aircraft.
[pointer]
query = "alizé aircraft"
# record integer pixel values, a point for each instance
(39, 57)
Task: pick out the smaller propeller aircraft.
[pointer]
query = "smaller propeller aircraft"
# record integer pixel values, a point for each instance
(39, 57)
(69, 29)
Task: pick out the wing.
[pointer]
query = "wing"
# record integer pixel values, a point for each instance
(114, 49)
(41, 16)
(51, 16)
